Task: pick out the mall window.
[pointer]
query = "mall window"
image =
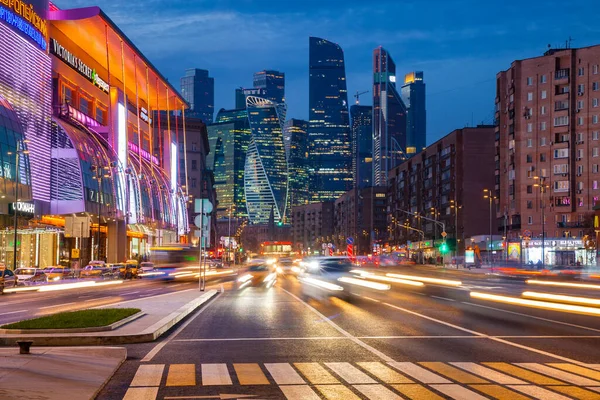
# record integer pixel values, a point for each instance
(101, 115)
(85, 105)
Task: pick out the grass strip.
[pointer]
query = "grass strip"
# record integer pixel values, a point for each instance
(75, 319)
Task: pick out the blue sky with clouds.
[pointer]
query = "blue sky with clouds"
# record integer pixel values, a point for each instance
(460, 45)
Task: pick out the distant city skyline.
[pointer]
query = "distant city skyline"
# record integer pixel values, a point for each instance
(460, 46)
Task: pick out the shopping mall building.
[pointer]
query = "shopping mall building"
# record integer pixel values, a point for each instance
(84, 164)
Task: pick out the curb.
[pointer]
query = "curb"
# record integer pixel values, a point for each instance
(104, 328)
(150, 334)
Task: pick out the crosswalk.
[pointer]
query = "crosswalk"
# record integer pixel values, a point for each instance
(377, 380)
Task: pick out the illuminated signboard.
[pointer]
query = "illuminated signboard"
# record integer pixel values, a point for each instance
(144, 115)
(77, 64)
(22, 208)
(173, 166)
(145, 154)
(23, 18)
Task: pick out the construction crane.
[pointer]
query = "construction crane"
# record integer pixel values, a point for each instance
(357, 95)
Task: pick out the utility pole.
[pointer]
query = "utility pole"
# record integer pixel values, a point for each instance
(542, 186)
(487, 194)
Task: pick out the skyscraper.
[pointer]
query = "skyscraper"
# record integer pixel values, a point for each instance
(413, 95)
(242, 93)
(274, 84)
(296, 149)
(228, 140)
(362, 145)
(266, 170)
(330, 148)
(198, 89)
(389, 118)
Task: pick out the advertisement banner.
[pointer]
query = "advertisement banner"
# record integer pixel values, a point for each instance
(514, 251)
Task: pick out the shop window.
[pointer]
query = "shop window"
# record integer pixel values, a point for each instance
(85, 106)
(67, 95)
(101, 115)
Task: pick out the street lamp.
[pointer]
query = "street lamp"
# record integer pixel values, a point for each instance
(20, 150)
(487, 194)
(99, 174)
(456, 207)
(542, 185)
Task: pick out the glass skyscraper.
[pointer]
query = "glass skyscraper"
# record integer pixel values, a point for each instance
(266, 170)
(296, 149)
(362, 145)
(273, 82)
(228, 139)
(389, 118)
(330, 148)
(413, 94)
(198, 89)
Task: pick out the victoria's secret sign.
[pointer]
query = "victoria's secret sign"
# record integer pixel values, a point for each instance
(77, 64)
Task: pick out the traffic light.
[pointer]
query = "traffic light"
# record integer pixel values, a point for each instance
(444, 248)
(279, 223)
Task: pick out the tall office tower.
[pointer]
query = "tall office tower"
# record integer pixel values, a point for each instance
(362, 145)
(198, 89)
(274, 84)
(296, 149)
(389, 118)
(266, 170)
(330, 147)
(413, 95)
(228, 140)
(242, 93)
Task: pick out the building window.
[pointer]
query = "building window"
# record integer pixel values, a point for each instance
(529, 142)
(580, 88)
(529, 81)
(580, 169)
(580, 204)
(194, 165)
(580, 154)
(529, 158)
(580, 71)
(580, 121)
(595, 102)
(529, 127)
(561, 186)
(542, 157)
(529, 204)
(543, 110)
(544, 94)
(543, 126)
(595, 135)
(85, 106)
(595, 185)
(543, 78)
(595, 168)
(561, 121)
(542, 141)
(580, 104)
(579, 185)
(594, 119)
(595, 152)
(194, 146)
(530, 220)
(529, 189)
(580, 137)
(561, 169)
(101, 116)
(595, 69)
(595, 86)
(530, 96)
(561, 153)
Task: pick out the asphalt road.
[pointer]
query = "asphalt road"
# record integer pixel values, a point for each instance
(419, 343)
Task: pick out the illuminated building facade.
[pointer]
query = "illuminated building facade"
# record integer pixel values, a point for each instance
(273, 84)
(228, 139)
(330, 148)
(362, 145)
(295, 139)
(413, 95)
(198, 89)
(242, 93)
(389, 118)
(266, 169)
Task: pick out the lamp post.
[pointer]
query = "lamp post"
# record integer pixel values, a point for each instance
(487, 194)
(542, 185)
(422, 239)
(20, 150)
(454, 205)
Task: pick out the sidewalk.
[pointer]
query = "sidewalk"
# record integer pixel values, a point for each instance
(161, 313)
(57, 373)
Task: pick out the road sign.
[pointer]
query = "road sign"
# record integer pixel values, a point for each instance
(527, 233)
(330, 251)
(350, 251)
(74, 253)
(350, 241)
(206, 208)
(330, 245)
(444, 234)
(199, 218)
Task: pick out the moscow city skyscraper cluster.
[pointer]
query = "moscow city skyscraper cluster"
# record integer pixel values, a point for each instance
(263, 165)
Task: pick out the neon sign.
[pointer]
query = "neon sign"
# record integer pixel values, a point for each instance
(144, 115)
(145, 154)
(23, 17)
(78, 65)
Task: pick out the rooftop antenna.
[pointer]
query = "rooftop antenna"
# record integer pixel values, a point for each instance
(569, 42)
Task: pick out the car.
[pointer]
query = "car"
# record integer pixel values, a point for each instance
(57, 273)
(285, 265)
(128, 270)
(29, 276)
(147, 266)
(257, 274)
(7, 279)
(93, 271)
(112, 271)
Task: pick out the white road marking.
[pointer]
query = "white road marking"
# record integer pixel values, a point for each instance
(299, 392)
(417, 372)
(597, 389)
(148, 375)
(148, 357)
(14, 312)
(559, 374)
(496, 339)
(342, 331)
(594, 366)
(141, 393)
(458, 392)
(377, 392)
(57, 305)
(442, 298)
(538, 393)
(260, 339)
(215, 375)
(350, 373)
(284, 374)
(368, 298)
(128, 293)
(488, 373)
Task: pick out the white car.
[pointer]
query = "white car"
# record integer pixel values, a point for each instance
(147, 266)
(28, 276)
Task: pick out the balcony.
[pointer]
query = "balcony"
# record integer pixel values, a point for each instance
(576, 224)
(561, 74)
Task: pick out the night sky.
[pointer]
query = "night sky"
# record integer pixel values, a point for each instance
(460, 45)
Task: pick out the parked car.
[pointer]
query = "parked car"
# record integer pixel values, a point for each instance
(7, 279)
(57, 273)
(92, 271)
(129, 270)
(29, 276)
(112, 271)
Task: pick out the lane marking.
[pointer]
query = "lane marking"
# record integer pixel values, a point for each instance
(341, 330)
(442, 298)
(148, 375)
(496, 339)
(453, 373)
(261, 339)
(499, 392)
(538, 393)
(57, 305)
(349, 373)
(417, 372)
(377, 392)
(215, 375)
(316, 374)
(524, 374)
(284, 374)
(369, 298)
(129, 293)
(490, 374)
(181, 375)
(141, 393)
(597, 389)
(14, 312)
(416, 392)
(383, 373)
(558, 374)
(458, 392)
(152, 353)
(299, 392)
(576, 392)
(336, 392)
(250, 374)
(577, 370)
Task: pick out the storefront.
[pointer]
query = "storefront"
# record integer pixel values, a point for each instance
(556, 251)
